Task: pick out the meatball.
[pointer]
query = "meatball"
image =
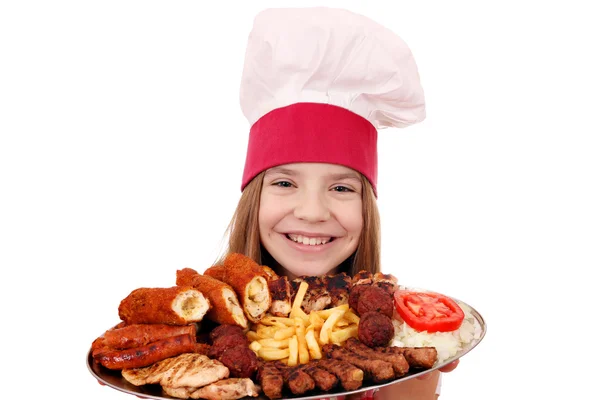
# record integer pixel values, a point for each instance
(374, 298)
(241, 361)
(225, 330)
(375, 329)
(355, 293)
(222, 343)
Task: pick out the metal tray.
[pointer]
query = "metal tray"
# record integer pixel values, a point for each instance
(114, 379)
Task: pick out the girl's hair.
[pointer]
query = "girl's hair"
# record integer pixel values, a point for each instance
(244, 236)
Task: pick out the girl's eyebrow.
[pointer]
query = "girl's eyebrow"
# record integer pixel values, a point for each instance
(279, 170)
(336, 177)
(345, 175)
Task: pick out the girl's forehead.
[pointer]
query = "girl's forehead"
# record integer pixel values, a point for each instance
(314, 169)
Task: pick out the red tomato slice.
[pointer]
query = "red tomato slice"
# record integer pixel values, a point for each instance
(431, 312)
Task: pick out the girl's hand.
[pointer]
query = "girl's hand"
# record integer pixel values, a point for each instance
(446, 368)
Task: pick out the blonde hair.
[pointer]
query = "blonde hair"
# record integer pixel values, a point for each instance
(244, 236)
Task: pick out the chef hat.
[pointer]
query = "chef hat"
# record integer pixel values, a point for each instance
(316, 85)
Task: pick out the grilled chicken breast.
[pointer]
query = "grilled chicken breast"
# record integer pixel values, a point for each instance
(186, 370)
(227, 389)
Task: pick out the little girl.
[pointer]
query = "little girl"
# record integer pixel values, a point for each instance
(317, 85)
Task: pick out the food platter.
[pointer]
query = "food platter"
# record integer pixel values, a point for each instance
(114, 380)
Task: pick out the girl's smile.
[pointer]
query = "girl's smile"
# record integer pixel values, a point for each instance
(307, 243)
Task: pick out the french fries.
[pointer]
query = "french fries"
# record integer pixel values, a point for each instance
(298, 338)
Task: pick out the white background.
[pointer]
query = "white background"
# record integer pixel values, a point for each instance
(122, 146)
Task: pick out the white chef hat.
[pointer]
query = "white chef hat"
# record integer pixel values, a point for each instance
(318, 82)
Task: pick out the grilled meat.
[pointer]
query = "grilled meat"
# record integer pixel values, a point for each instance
(362, 278)
(324, 380)
(375, 329)
(281, 296)
(338, 286)
(271, 380)
(144, 356)
(354, 296)
(417, 357)
(298, 381)
(226, 330)
(387, 282)
(323, 291)
(137, 335)
(351, 377)
(189, 369)
(316, 297)
(269, 273)
(399, 363)
(225, 389)
(378, 370)
(241, 361)
(223, 343)
(230, 346)
(374, 298)
(202, 348)
(180, 393)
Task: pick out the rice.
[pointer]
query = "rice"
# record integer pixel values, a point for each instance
(447, 344)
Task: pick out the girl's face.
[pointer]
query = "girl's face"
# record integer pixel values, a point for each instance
(310, 216)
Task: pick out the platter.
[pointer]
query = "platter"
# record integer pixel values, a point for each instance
(114, 380)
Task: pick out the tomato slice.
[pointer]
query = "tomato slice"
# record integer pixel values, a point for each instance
(431, 312)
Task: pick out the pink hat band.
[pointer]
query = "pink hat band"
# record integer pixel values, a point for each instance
(312, 132)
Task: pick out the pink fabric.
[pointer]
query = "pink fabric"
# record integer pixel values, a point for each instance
(312, 132)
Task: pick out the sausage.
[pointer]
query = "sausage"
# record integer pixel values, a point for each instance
(137, 335)
(146, 355)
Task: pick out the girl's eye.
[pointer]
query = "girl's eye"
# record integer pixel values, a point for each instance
(284, 184)
(342, 189)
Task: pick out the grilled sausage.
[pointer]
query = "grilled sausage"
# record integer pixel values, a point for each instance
(146, 355)
(137, 335)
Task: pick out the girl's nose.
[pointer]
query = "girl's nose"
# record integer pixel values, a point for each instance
(312, 208)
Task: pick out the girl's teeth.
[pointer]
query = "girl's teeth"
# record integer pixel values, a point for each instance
(309, 241)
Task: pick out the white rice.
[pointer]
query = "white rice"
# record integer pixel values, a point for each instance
(447, 344)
